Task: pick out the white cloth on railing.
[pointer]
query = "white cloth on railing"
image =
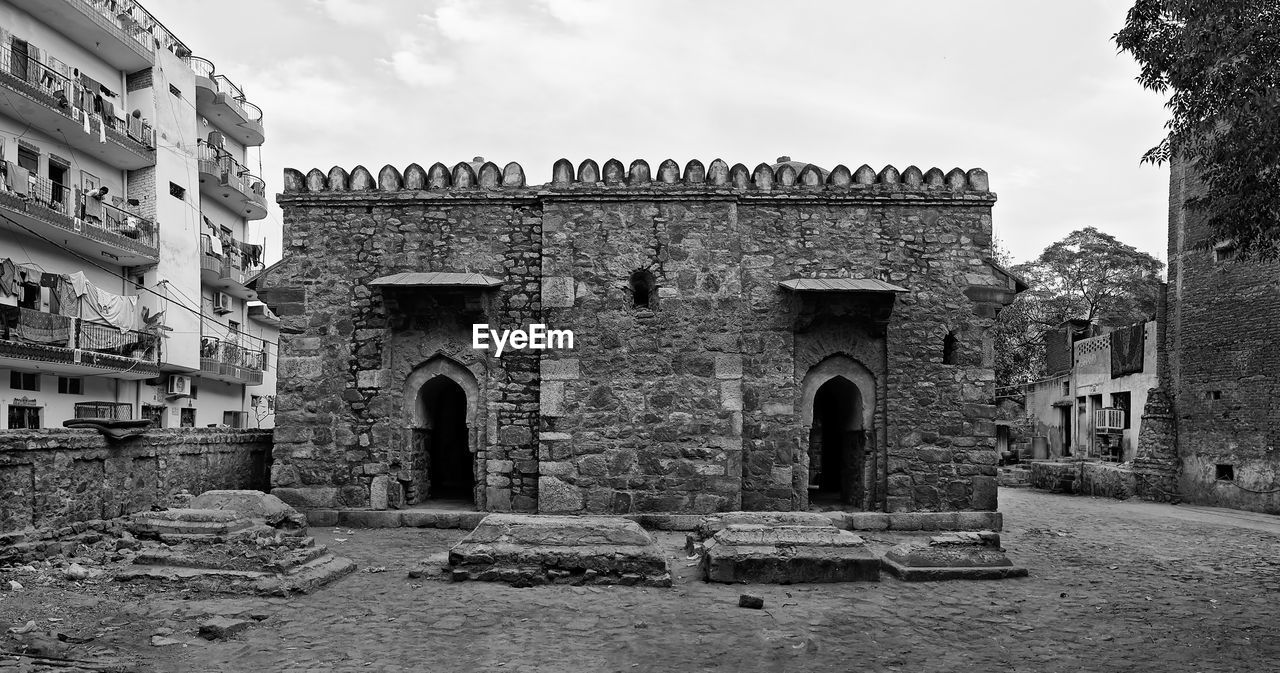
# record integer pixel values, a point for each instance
(118, 311)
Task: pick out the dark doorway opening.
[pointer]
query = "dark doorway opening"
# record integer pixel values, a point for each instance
(443, 464)
(837, 446)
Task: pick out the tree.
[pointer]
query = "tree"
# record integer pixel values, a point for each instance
(1220, 63)
(1088, 275)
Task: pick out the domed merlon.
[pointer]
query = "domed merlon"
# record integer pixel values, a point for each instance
(389, 179)
(865, 175)
(978, 180)
(588, 172)
(438, 177)
(934, 178)
(810, 176)
(694, 172)
(562, 173)
(740, 176)
(718, 173)
(956, 180)
(338, 179)
(316, 182)
(463, 175)
(489, 177)
(638, 173)
(294, 181)
(361, 180)
(888, 176)
(613, 173)
(785, 175)
(668, 172)
(840, 177)
(912, 176)
(512, 175)
(415, 177)
(762, 177)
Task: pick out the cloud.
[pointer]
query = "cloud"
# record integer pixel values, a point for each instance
(364, 13)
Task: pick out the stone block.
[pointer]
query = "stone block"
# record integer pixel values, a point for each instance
(221, 628)
(182, 522)
(557, 292)
(308, 497)
(551, 398)
(868, 521)
(728, 366)
(371, 378)
(966, 555)
(322, 517)
(556, 496)
(565, 369)
(526, 549)
(788, 555)
(379, 492)
(711, 524)
(254, 505)
(985, 493)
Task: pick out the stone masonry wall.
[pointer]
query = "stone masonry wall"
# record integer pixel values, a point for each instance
(690, 405)
(1224, 367)
(52, 478)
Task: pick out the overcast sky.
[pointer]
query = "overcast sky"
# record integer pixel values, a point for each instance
(1032, 91)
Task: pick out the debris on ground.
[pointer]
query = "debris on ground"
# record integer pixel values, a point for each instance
(749, 601)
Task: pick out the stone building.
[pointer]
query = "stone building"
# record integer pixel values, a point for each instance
(1223, 367)
(767, 339)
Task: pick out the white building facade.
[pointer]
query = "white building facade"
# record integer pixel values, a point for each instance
(125, 211)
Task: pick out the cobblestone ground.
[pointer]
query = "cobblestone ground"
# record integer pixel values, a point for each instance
(1114, 586)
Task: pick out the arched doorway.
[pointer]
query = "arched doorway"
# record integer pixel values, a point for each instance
(837, 445)
(441, 397)
(838, 461)
(443, 464)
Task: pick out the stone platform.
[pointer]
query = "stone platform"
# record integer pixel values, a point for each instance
(967, 556)
(529, 549)
(765, 553)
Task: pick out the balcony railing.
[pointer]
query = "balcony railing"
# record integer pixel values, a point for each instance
(1108, 420)
(230, 264)
(137, 23)
(203, 67)
(237, 356)
(249, 110)
(109, 411)
(28, 326)
(233, 173)
(70, 98)
(101, 217)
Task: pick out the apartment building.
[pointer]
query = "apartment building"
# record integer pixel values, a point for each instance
(125, 206)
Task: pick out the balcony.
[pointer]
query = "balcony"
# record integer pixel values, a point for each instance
(237, 358)
(125, 34)
(58, 213)
(226, 273)
(224, 104)
(37, 95)
(228, 181)
(67, 346)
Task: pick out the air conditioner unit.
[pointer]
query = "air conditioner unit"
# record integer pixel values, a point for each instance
(221, 302)
(179, 385)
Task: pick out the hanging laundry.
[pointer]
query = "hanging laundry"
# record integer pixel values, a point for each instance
(68, 300)
(21, 180)
(92, 205)
(8, 277)
(49, 280)
(120, 312)
(79, 284)
(43, 328)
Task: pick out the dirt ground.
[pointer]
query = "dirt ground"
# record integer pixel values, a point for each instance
(1114, 586)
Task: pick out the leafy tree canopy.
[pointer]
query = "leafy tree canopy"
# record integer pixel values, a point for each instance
(1219, 61)
(1087, 275)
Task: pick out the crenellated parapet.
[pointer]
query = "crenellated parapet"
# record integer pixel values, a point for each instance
(782, 178)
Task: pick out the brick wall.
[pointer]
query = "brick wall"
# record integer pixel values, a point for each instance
(50, 478)
(141, 185)
(1224, 368)
(693, 405)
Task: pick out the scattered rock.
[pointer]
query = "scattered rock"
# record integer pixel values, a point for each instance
(14, 585)
(161, 641)
(749, 601)
(221, 628)
(75, 572)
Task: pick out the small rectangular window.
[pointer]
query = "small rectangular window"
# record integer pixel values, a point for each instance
(29, 159)
(24, 381)
(155, 414)
(1225, 472)
(1213, 395)
(68, 385)
(175, 91)
(1224, 252)
(177, 191)
(233, 419)
(188, 418)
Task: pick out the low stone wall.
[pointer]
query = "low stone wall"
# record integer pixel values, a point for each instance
(1106, 480)
(53, 478)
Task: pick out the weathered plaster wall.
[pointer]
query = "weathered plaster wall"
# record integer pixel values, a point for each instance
(51, 478)
(690, 405)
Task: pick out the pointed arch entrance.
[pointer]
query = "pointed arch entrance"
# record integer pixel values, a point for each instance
(443, 397)
(838, 401)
